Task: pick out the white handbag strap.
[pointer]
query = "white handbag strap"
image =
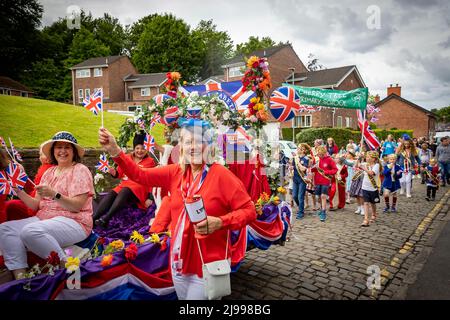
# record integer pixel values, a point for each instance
(226, 248)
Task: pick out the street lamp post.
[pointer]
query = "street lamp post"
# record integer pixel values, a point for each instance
(293, 119)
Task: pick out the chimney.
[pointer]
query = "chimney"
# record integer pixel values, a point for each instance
(397, 90)
(377, 98)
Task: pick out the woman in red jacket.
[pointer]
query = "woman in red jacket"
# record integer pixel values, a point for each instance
(226, 203)
(128, 191)
(332, 147)
(323, 171)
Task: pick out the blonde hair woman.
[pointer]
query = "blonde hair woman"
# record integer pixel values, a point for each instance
(225, 200)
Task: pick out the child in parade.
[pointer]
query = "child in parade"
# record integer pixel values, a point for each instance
(392, 174)
(431, 173)
(356, 183)
(338, 184)
(408, 160)
(425, 155)
(349, 159)
(370, 186)
(300, 165)
(323, 170)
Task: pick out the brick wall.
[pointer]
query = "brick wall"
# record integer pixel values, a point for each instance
(122, 106)
(279, 64)
(118, 70)
(91, 83)
(395, 113)
(136, 94)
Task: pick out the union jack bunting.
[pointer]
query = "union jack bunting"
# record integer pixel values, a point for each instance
(149, 143)
(170, 115)
(368, 135)
(160, 98)
(102, 164)
(94, 102)
(5, 187)
(17, 176)
(155, 119)
(284, 103)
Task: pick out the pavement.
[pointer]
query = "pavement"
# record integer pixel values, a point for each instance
(338, 259)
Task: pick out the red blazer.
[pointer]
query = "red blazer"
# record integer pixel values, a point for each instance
(328, 165)
(343, 174)
(223, 196)
(140, 191)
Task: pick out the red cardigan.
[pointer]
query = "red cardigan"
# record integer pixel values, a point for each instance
(329, 167)
(223, 196)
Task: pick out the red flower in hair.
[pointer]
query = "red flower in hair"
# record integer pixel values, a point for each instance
(131, 252)
(53, 259)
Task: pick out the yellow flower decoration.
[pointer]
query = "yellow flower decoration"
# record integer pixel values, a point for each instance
(260, 106)
(254, 100)
(72, 264)
(175, 75)
(251, 61)
(107, 260)
(137, 238)
(281, 190)
(155, 238)
(117, 244)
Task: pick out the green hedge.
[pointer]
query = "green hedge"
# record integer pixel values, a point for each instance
(340, 135)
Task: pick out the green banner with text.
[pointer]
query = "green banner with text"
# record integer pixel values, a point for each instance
(353, 99)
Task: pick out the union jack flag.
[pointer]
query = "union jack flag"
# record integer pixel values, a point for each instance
(17, 176)
(141, 124)
(149, 143)
(155, 119)
(15, 153)
(170, 115)
(284, 103)
(194, 113)
(5, 187)
(102, 164)
(94, 102)
(369, 136)
(229, 93)
(160, 98)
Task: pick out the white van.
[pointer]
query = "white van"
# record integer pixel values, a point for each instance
(441, 134)
(288, 147)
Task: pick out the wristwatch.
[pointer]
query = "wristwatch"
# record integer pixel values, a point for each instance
(57, 196)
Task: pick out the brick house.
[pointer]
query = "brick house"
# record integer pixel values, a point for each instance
(282, 61)
(101, 72)
(341, 78)
(141, 87)
(397, 112)
(12, 87)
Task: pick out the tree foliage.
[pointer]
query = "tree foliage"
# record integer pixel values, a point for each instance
(167, 44)
(253, 44)
(216, 47)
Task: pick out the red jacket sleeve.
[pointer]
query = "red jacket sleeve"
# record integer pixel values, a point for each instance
(344, 172)
(163, 218)
(154, 177)
(333, 170)
(242, 208)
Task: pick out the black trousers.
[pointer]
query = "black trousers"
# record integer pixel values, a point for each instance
(431, 191)
(113, 202)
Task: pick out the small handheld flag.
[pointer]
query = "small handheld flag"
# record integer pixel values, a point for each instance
(17, 176)
(155, 119)
(94, 103)
(149, 143)
(5, 187)
(15, 153)
(102, 164)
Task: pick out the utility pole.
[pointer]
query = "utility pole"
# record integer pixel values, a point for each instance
(293, 119)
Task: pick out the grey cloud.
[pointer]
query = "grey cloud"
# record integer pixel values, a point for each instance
(445, 44)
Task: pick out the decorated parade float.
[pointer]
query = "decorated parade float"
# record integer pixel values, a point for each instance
(126, 260)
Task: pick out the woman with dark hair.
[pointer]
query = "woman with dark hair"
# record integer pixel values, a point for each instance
(63, 203)
(332, 147)
(127, 192)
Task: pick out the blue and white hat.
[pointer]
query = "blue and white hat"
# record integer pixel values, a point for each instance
(61, 136)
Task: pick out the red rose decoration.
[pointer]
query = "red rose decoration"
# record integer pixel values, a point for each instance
(131, 252)
(101, 241)
(53, 259)
(163, 244)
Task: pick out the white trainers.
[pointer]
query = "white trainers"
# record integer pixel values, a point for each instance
(362, 212)
(408, 196)
(402, 192)
(358, 210)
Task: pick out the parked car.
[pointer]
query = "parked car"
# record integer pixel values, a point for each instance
(288, 147)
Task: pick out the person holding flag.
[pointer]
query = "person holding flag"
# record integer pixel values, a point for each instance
(63, 203)
(128, 192)
(408, 159)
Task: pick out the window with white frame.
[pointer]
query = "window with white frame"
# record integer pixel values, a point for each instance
(83, 73)
(80, 95)
(235, 72)
(87, 92)
(339, 122)
(98, 72)
(348, 122)
(145, 92)
(303, 121)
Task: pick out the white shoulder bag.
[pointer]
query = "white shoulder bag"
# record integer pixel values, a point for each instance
(216, 275)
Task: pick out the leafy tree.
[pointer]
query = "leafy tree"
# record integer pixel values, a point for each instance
(110, 32)
(217, 47)
(313, 63)
(253, 44)
(443, 114)
(135, 31)
(168, 45)
(19, 36)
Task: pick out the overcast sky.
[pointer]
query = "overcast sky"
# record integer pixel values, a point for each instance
(411, 47)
